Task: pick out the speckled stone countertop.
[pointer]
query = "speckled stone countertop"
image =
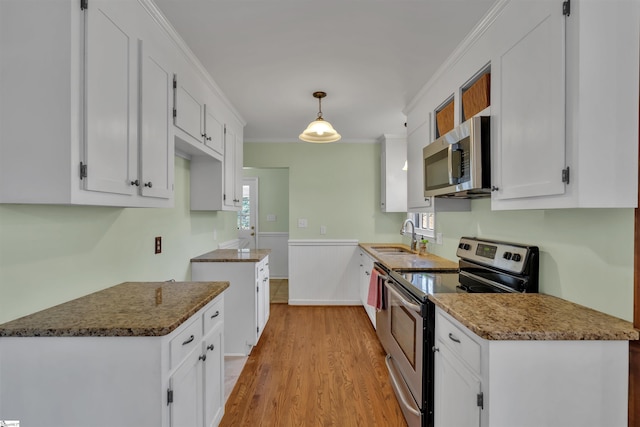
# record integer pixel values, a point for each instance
(233, 255)
(408, 260)
(532, 317)
(127, 309)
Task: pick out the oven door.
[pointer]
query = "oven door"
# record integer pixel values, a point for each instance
(400, 327)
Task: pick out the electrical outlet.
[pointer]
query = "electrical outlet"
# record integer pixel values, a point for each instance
(323, 229)
(302, 223)
(158, 245)
(439, 238)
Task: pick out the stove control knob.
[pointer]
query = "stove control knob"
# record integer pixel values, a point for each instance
(507, 255)
(466, 246)
(461, 246)
(516, 257)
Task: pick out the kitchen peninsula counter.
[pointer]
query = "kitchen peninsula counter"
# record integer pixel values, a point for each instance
(408, 260)
(532, 317)
(233, 255)
(127, 309)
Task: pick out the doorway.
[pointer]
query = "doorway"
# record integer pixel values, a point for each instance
(248, 214)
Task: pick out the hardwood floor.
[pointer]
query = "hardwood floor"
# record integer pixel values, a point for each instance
(315, 366)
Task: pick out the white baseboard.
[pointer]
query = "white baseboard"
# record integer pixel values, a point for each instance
(324, 302)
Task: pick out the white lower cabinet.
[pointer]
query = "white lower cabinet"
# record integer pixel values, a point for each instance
(364, 278)
(530, 383)
(175, 380)
(246, 299)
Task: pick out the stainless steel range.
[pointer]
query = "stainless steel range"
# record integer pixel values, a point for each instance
(406, 322)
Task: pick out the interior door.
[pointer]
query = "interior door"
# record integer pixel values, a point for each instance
(248, 214)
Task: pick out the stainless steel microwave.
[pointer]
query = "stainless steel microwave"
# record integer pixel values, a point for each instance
(458, 164)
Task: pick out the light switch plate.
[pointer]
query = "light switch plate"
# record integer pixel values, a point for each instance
(323, 229)
(302, 223)
(439, 238)
(271, 217)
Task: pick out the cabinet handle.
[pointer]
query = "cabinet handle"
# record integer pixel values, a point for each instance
(210, 347)
(216, 314)
(367, 273)
(494, 188)
(208, 138)
(191, 338)
(453, 338)
(203, 357)
(434, 349)
(136, 183)
(148, 184)
(204, 135)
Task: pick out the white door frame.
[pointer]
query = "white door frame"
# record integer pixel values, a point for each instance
(247, 239)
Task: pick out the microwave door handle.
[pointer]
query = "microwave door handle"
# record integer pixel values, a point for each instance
(455, 164)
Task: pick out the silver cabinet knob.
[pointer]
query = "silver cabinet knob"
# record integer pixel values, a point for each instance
(148, 184)
(136, 183)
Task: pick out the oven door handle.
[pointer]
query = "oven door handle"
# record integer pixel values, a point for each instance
(403, 301)
(399, 390)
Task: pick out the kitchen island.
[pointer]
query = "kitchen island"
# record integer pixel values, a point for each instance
(528, 360)
(136, 354)
(247, 271)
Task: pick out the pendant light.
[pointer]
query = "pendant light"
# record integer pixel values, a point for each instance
(320, 130)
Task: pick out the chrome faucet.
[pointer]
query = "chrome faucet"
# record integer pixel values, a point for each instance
(403, 231)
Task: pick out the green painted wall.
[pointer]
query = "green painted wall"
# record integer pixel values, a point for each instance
(273, 197)
(586, 254)
(51, 254)
(335, 185)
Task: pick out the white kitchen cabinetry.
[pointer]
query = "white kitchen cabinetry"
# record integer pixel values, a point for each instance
(420, 136)
(197, 386)
(393, 176)
(102, 100)
(526, 383)
(246, 299)
(528, 101)
(195, 117)
(594, 133)
(365, 268)
(218, 185)
(175, 380)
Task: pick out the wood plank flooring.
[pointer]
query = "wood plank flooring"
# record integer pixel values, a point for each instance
(315, 366)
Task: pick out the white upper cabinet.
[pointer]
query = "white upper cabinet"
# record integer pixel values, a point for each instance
(564, 103)
(393, 175)
(528, 101)
(189, 108)
(89, 122)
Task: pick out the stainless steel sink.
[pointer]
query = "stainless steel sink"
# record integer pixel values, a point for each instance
(391, 250)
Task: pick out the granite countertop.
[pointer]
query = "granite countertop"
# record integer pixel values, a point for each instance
(532, 317)
(233, 255)
(408, 260)
(127, 309)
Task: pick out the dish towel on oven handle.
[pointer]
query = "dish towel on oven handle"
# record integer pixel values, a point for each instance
(374, 298)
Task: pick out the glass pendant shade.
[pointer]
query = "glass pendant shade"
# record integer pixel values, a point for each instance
(320, 131)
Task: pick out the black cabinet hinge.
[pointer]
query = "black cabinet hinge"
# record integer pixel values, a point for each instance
(83, 170)
(175, 113)
(566, 7)
(169, 396)
(257, 329)
(175, 82)
(84, 4)
(566, 174)
(480, 400)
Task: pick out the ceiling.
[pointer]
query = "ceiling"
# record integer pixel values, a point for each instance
(370, 56)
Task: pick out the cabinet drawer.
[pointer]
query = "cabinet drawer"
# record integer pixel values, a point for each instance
(183, 343)
(458, 342)
(213, 315)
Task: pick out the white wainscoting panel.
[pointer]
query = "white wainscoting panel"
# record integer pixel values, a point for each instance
(278, 242)
(321, 272)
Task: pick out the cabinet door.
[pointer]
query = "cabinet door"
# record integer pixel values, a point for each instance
(456, 391)
(156, 143)
(239, 163)
(214, 131)
(213, 387)
(186, 408)
(111, 92)
(230, 199)
(528, 102)
(416, 141)
(189, 113)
